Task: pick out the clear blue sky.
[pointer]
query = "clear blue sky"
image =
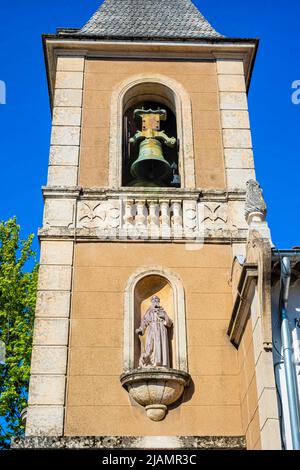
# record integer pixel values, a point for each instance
(25, 119)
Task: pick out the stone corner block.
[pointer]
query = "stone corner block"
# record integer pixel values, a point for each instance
(64, 155)
(237, 178)
(270, 435)
(69, 79)
(232, 83)
(239, 158)
(47, 360)
(45, 421)
(66, 116)
(59, 212)
(56, 253)
(47, 390)
(233, 100)
(55, 278)
(65, 135)
(230, 67)
(237, 138)
(235, 119)
(51, 304)
(51, 332)
(70, 64)
(62, 176)
(68, 97)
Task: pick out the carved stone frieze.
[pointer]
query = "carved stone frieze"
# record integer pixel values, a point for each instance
(94, 214)
(159, 215)
(214, 214)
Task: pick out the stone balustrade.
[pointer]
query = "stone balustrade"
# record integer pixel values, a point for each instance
(143, 216)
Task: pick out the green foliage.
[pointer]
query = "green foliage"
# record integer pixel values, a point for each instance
(17, 305)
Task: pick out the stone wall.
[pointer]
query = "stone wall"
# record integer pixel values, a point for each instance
(126, 442)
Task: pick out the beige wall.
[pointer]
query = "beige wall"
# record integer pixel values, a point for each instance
(199, 80)
(96, 402)
(248, 390)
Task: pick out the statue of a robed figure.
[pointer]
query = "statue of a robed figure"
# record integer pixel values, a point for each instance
(156, 323)
(154, 384)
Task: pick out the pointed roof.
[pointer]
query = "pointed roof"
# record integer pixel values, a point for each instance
(160, 19)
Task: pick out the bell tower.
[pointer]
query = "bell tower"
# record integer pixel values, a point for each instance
(144, 215)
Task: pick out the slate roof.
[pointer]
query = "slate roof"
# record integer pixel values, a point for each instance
(163, 19)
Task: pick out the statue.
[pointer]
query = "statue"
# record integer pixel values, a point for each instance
(156, 322)
(255, 202)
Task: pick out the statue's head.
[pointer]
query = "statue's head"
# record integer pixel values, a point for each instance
(155, 301)
(252, 183)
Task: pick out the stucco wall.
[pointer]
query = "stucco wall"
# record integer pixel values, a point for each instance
(96, 403)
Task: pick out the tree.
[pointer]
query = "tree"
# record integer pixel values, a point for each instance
(17, 304)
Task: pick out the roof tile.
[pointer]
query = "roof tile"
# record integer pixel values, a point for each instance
(164, 19)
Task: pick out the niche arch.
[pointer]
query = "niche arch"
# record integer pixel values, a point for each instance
(162, 89)
(140, 287)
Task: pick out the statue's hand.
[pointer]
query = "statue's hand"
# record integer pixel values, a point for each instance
(139, 332)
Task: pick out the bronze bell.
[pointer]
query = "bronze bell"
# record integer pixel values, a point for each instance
(151, 163)
(151, 168)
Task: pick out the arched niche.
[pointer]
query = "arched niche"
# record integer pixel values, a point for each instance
(163, 90)
(140, 288)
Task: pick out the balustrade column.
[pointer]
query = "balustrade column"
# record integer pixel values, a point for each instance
(128, 213)
(153, 218)
(177, 219)
(141, 214)
(165, 220)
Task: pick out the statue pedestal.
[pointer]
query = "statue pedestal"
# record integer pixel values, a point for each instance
(155, 389)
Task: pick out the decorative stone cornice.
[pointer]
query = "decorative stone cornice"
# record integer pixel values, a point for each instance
(136, 215)
(104, 193)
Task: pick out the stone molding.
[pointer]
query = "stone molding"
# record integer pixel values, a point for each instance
(144, 216)
(127, 442)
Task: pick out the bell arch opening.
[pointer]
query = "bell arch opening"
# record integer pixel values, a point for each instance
(150, 146)
(164, 91)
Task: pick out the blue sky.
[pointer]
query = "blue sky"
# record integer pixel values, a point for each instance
(25, 119)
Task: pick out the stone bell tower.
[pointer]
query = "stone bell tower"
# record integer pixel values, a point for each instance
(144, 215)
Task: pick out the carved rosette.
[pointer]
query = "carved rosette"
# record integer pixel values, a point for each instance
(103, 215)
(155, 389)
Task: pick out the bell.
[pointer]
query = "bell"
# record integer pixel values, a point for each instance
(151, 164)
